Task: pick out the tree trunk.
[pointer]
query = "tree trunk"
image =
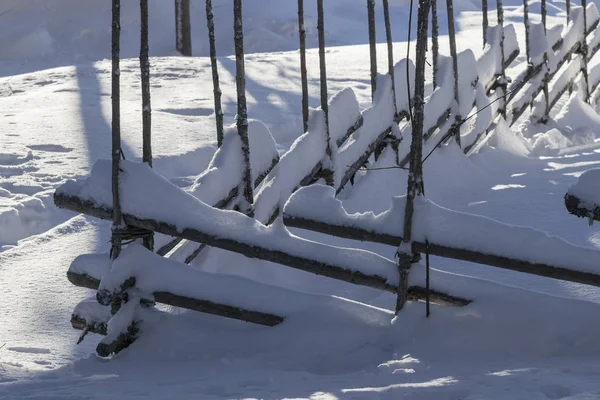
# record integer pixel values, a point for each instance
(215, 71)
(116, 121)
(183, 31)
(526, 23)
(242, 112)
(303, 73)
(584, 51)
(454, 55)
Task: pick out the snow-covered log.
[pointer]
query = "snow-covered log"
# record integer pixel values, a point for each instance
(450, 234)
(583, 198)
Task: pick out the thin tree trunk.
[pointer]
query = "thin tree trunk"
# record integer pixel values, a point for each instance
(568, 10)
(485, 24)
(146, 106)
(116, 122)
(453, 54)
(215, 71)
(372, 45)
(327, 169)
(183, 30)
(435, 44)
(415, 186)
(303, 73)
(242, 112)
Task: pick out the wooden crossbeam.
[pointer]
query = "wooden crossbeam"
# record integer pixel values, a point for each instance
(509, 263)
(252, 251)
(175, 300)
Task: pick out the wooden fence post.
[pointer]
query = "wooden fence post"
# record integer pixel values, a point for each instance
(148, 240)
(215, 71)
(435, 44)
(484, 22)
(503, 83)
(303, 73)
(242, 112)
(372, 45)
(327, 169)
(390, 51)
(526, 23)
(454, 55)
(116, 124)
(546, 70)
(183, 30)
(584, 51)
(415, 186)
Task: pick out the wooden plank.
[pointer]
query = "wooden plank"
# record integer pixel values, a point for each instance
(549, 271)
(190, 303)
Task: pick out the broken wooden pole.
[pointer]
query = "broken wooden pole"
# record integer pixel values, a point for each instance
(183, 28)
(415, 186)
(372, 45)
(210, 21)
(116, 124)
(242, 112)
(303, 73)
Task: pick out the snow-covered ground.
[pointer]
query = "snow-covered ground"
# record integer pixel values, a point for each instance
(524, 337)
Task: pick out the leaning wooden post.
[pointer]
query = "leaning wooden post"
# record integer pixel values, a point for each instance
(503, 83)
(215, 71)
(526, 23)
(390, 50)
(303, 73)
(415, 173)
(454, 55)
(484, 22)
(435, 44)
(242, 112)
(584, 51)
(183, 30)
(327, 170)
(117, 218)
(148, 240)
(372, 45)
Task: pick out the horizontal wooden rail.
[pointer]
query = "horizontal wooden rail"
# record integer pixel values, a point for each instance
(356, 233)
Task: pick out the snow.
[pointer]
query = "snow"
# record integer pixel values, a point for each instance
(446, 227)
(523, 337)
(587, 188)
(144, 193)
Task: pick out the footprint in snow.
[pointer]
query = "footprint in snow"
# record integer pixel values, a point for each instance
(31, 350)
(54, 148)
